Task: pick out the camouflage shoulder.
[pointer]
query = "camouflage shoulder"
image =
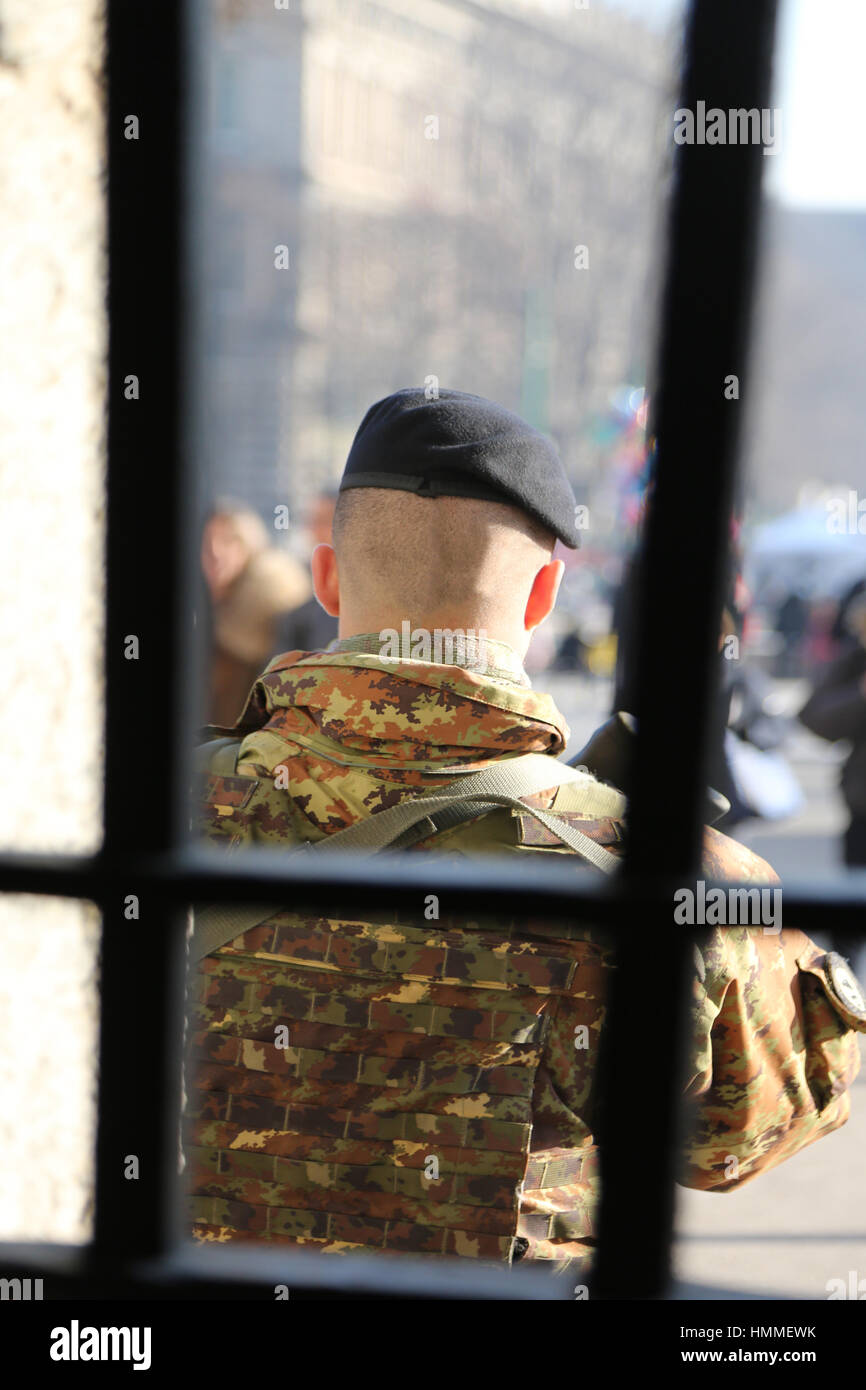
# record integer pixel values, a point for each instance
(242, 805)
(728, 860)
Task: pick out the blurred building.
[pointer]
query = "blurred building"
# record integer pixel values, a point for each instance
(430, 168)
(804, 428)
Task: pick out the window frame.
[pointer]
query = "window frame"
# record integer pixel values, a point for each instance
(157, 219)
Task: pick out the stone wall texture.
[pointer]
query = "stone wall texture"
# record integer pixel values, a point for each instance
(52, 434)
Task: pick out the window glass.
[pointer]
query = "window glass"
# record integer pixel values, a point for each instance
(427, 194)
(430, 195)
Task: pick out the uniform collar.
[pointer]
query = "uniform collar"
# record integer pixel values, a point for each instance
(501, 661)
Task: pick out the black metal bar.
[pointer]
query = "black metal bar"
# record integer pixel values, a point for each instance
(141, 966)
(546, 890)
(194, 876)
(710, 255)
(189, 1272)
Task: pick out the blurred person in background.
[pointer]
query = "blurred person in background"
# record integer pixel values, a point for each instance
(308, 628)
(792, 622)
(836, 710)
(821, 643)
(251, 586)
(727, 696)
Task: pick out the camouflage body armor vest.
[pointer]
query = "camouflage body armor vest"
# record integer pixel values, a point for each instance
(369, 1082)
(399, 1107)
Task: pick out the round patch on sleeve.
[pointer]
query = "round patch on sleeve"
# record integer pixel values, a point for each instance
(845, 985)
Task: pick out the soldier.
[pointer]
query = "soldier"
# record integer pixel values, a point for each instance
(419, 1082)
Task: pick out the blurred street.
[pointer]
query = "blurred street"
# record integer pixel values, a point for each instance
(788, 1232)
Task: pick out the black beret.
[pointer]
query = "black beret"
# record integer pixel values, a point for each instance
(457, 445)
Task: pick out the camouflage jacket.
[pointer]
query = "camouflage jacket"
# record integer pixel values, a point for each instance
(433, 1085)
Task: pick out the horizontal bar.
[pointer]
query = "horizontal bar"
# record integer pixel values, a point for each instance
(250, 1274)
(550, 889)
(238, 1272)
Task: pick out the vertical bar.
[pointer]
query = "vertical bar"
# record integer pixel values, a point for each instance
(195, 479)
(704, 338)
(141, 1018)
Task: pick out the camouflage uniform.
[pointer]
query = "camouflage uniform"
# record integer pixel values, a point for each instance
(435, 1091)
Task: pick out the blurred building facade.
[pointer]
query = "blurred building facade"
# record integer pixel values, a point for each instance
(430, 169)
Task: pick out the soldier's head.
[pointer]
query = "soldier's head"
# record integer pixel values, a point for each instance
(448, 515)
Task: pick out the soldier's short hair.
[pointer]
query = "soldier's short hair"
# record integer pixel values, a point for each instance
(434, 551)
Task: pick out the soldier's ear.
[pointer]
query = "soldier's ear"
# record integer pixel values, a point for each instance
(542, 595)
(323, 564)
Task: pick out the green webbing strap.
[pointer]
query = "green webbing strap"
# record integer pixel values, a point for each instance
(501, 785)
(215, 926)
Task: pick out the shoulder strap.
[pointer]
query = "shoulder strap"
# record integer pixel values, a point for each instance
(501, 785)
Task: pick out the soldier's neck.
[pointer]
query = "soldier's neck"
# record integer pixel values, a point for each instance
(387, 624)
